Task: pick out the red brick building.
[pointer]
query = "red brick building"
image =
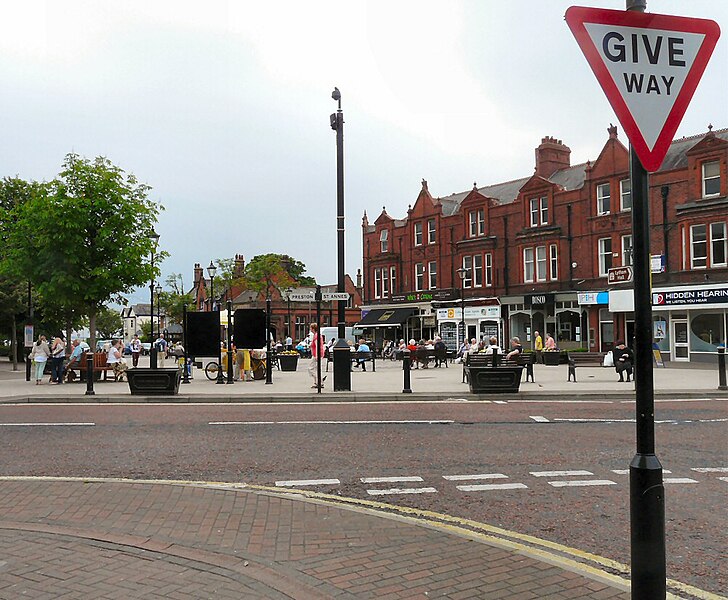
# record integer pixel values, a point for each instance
(537, 251)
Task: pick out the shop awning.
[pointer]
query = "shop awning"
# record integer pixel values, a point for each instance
(386, 317)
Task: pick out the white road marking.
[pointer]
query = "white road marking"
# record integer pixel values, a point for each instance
(582, 483)
(539, 419)
(412, 422)
(478, 476)
(389, 479)
(294, 483)
(678, 480)
(626, 471)
(675, 400)
(47, 424)
(499, 402)
(559, 473)
(425, 490)
(723, 478)
(491, 486)
(562, 401)
(710, 469)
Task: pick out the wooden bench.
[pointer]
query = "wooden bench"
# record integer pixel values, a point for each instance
(584, 359)
(100, 366)
(354, 357)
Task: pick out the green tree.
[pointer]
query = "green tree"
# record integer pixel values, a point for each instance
(83, 241)
(268, 271)
(108, 323)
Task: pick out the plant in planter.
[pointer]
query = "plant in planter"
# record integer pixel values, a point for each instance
(551, 358)
(288, 360)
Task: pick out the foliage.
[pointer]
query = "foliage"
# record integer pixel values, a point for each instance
(108, 323)
(280, 271)
(172, 304)
(146, 335)
(82, 238)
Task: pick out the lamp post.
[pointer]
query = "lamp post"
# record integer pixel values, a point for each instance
(211, 270)
(462, 272)
(158, 289)
(289, 291)
(154, 237)
(342, 367)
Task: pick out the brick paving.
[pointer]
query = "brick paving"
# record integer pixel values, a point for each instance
(124, 540)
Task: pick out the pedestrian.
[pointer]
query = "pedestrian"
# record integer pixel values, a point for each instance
(516, 349)
(160, 345)
(136, 348)
(40, 355)
(317, 349)
(538, 346)
(58, 355)
(116, 361)
(440, 352)
(623, 360)
(550, 343)
(289, 343)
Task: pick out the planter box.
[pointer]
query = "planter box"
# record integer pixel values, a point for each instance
(288, 362)
(163, 381)
(551, 359)
(498, 380)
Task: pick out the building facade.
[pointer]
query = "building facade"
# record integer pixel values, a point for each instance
(536, 253)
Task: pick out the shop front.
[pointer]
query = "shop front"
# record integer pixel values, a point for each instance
(689, 322)
(597, 333)
(481, 323)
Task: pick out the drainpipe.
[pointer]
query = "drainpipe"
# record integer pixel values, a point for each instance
(570, 239)
(665, 190)
(506, 254)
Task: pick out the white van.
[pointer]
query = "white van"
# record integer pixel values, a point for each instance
(333, 333)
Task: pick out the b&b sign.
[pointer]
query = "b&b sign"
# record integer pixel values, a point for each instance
(648, 66)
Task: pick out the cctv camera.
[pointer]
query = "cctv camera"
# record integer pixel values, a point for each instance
(336, 94)
(574, 265)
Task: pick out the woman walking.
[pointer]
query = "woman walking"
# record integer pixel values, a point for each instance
(39, 355)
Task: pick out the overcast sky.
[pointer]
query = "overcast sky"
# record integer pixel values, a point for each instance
(223, 107)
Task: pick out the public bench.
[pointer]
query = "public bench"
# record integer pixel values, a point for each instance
(354, 358)
(484, 376)
(100, 366)
(584, 359)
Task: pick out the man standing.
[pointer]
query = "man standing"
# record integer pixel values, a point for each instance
(289, 343)
(161, 346)
(136, 347)
(538, 346)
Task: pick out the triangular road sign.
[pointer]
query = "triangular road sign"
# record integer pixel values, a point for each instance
(648, 66)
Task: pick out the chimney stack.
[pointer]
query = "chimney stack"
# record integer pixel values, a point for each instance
(551, 156)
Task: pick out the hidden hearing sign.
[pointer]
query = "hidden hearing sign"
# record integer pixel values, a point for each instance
(648, 66)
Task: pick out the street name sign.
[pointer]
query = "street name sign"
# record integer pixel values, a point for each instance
(648, 66)
(619, 275)
(325, 297)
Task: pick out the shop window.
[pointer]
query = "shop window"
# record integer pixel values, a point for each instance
(706, 332)
(711, 179)
(384, 240)
(603, 199)
(625, 194)
(605, 256)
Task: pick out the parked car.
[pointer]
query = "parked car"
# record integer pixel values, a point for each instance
(103, 345)
(146, 347)
(127, 350)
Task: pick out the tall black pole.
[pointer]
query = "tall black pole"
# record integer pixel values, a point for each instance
(268, 354)
(342, 367)
(185, 356)
(30, 322)
(288, 332)
(647, 493)
(319, 349)
(231, 354)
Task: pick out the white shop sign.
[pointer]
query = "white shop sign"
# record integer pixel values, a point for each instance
(471, 312)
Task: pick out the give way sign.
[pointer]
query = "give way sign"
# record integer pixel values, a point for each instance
(648, 66)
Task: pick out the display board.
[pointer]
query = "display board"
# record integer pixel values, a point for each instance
(249, 328)
(202, 333)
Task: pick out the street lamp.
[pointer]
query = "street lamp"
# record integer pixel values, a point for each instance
(154, 237)
(158, 289)
(462, 272)
(289, 291)
(211, 270)
(342, 366)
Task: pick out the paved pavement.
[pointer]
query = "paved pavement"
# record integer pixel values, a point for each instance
(114, 539)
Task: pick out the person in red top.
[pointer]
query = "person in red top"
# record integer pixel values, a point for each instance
(317, 349)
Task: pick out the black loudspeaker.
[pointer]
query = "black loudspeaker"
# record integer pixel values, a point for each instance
(203, 333)
(249, 329)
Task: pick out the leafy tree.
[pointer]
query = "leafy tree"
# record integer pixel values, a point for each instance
(146, 335)
(172, 304)
(82, 240)
(108, 323)
(280, 271)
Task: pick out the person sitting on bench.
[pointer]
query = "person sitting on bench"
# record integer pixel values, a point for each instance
(361, 361)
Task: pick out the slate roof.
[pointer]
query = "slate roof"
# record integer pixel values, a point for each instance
(676, 158)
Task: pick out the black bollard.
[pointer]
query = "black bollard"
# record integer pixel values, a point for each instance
(721, 369)
(152, 357)
(406, 368)
(28, 363)
(90, 374)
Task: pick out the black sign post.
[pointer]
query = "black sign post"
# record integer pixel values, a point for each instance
(319, 348)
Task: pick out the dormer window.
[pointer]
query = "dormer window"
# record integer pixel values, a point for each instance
(711, 179)
(384, 240)
(538, 210)
(603, 194)
(476, 222)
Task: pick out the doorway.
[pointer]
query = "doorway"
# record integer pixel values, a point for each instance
(680, 343)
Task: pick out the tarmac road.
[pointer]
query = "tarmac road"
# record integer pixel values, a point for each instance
(528, 454)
